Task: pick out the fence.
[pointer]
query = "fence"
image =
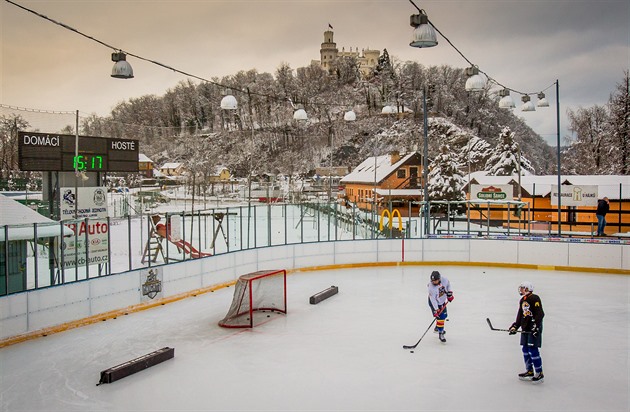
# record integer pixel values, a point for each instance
(34, 258)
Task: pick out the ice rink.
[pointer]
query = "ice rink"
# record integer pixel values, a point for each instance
(345, 353)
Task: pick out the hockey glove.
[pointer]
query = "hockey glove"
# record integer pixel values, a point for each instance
(449, 296)
(512, 329)
(535, 332)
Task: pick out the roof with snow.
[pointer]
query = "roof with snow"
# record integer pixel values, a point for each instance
(15, 214)
(399, 192)
(377, 168)
(171, 165)
(144, 158)
(611, 186)
(219, 169)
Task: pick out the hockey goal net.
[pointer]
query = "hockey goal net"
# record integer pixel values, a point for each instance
(265, 290)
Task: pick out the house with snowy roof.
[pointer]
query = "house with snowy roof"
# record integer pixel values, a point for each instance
(389, 182)
(172, 169)
(220, 174)
(145, 165)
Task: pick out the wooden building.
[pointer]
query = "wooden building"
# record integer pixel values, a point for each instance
(145, 166)
(389, 181)
(221, 174)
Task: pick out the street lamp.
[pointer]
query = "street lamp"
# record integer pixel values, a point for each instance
(475, 82)
(506, 101)
(228, 102)
(122, 69)
(527, 106)
(300, 114)
(423, 33)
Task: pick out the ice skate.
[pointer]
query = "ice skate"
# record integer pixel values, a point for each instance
(526, 376)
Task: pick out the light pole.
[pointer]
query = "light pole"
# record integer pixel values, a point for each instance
(542, 102)
(519, 173)
(374, 213)
(558, 155)
(425, 161)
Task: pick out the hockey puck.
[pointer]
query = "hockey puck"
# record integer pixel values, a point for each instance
(268, 316)
(411, 351)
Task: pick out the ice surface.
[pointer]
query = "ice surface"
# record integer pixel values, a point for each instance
(346, 352)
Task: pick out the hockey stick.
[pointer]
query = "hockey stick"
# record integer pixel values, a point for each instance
(501, 330)
(425, 332)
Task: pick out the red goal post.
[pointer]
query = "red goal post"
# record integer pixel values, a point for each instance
(265, 290)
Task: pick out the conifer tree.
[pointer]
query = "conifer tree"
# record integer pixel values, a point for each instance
(504, 159)
(445, 179)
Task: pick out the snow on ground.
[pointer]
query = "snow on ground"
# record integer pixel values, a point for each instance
(346, 352)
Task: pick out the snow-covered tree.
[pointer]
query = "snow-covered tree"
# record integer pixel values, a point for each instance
(619, 106)
(445, 179)
(588, 149)
(9, 126)
(504, 159)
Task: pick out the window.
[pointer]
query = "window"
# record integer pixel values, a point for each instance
(401, 173)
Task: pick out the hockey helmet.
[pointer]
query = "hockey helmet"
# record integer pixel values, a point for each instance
(526, 285)
(435, 275)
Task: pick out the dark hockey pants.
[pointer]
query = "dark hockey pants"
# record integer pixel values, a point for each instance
(532, 358)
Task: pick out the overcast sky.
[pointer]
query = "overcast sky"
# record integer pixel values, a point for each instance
(524, 44)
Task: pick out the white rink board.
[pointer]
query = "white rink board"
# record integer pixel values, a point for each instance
(56, 305)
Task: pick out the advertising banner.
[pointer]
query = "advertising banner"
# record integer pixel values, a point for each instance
(575, 195)
(491, 192)
(91, 203)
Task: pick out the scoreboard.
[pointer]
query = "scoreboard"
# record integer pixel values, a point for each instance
(56, 152)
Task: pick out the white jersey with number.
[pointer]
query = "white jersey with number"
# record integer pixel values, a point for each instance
(437, 293)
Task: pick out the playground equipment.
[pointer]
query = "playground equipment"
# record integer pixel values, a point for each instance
(219, 216)
(155, 247)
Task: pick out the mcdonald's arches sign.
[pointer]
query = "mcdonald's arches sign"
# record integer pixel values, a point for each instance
(390, 218)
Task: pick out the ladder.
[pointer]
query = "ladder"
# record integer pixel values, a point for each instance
(152, 249)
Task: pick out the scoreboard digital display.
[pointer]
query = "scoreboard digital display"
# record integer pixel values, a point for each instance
(57, 152)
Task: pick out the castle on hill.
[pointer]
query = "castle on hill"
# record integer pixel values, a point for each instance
(367, 58)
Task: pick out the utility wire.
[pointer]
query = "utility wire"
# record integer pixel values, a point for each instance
(25, 109)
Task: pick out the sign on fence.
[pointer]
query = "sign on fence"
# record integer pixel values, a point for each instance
(575, 195)
(491, 192)
(91, 203)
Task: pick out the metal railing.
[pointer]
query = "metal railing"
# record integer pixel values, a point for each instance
(37, 257)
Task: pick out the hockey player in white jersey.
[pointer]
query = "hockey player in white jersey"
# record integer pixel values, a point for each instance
(439, 294)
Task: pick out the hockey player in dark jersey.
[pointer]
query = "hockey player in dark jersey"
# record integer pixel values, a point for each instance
(530, 319)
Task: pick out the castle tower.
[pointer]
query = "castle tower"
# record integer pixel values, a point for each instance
(328, 52)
